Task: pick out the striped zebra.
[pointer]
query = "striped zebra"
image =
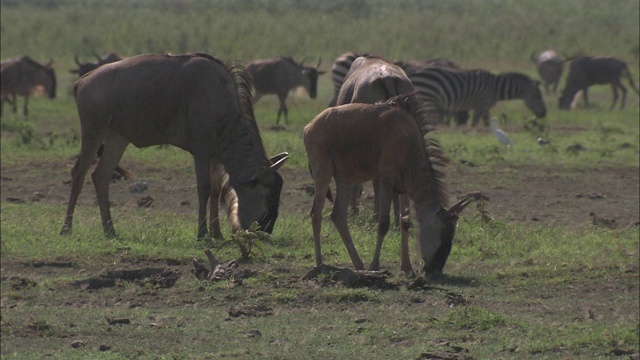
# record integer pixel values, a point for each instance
(454, 90)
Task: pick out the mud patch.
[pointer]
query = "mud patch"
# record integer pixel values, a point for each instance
(250, 310)
(18, 283)
(331, 275)
(154, 277)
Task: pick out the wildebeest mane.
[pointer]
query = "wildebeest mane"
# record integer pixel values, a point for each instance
(425, 115)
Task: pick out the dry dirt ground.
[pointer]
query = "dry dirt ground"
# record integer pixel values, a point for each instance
(528, 194)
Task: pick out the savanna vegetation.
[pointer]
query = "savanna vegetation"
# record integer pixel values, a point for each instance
(547, 268)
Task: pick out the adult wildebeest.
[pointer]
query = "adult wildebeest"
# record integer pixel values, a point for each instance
(23, 76)
(550, 66)
(355, 143)
(192, 101)
(370, 80)
(85, 67)
(280, 75)
(586, 71)
(454, 90)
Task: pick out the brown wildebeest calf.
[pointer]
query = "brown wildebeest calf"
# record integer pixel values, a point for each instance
(355, 143)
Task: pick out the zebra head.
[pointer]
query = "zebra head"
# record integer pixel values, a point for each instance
(533, 98)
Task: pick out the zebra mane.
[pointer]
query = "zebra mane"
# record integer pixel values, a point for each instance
(426, 115)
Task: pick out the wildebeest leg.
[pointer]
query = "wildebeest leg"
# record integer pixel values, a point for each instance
(216, 188)
(14, 104)
(321, 178)
(396, 209)
(384, 191)
(405, 224)
(339, 218)
(283, 109)
(203, 183)
(585, 95)
(88, 149)
(624, 94)
(114, 147)
(26, 102)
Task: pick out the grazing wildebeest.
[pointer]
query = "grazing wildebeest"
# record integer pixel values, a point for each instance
(586, 71)
(85, 67)
(550, 66)
(23, 76)
(355, 143)
(225, 197)
(371, 80)
(454, 90)
(192, 101)
(280, 75)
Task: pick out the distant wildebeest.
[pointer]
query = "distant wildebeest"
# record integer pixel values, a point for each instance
(224, 196)
(387, 142)
(192, 101)
(550, 66)
(280, 75)
(454, 90)
(85, 67)
(371, 80)
(23, 76)
(586, 71)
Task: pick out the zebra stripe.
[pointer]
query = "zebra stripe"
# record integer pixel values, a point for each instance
(458, 90)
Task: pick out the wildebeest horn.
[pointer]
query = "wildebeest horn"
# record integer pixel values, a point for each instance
(275, 159)
(76, 59)
(49, 63)
(319, 62)
(466, 200)
(278, 160)
(97, 57)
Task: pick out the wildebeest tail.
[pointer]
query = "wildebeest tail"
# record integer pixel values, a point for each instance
(628, 73)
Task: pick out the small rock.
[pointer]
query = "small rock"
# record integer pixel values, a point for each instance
(138, 187)
(253, 334)
(77, 344)
(104, 347)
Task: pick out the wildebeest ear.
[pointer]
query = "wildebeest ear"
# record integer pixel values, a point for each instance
(49, 63)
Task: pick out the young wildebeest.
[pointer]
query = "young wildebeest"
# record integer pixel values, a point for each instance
(192, 101)
(387, 142)
(85, 67)
(586, 71)
(281, 75)
(550, 66)
(371, 80)
(24, 76)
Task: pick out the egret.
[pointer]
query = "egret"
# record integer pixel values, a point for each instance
(500, 135)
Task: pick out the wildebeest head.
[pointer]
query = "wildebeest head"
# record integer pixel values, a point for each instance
(266, 201)
(311, 78)
(86, 67)
(448, 222)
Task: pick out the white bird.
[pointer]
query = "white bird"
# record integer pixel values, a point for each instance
(500, 135)
(542, 141)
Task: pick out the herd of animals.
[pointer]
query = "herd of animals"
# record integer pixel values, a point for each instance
(375, 129)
